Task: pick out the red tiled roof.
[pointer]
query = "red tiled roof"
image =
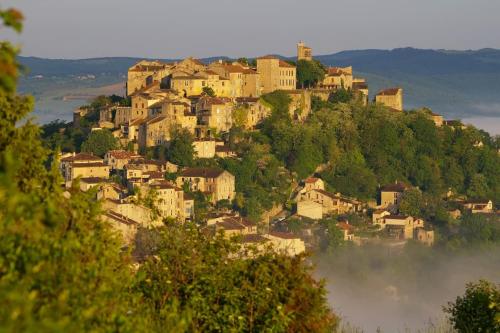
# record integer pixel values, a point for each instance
(284, 235)
(389, 92)
(345, 226)
(359, 85)
(334, 71)
(285, 64)
(120, 218)
(396, 217)
(92, 180)
(253, 238)
(328, 194)
(268, 57)
(81, 157)
(230, 224)
(201, 172)
(311, 180)
(85, 165)
(155, 119)
(123, 154)
(216, 100)
(137, 122)
(154, 174)
(396, 187)
(247, 99)
(162, 185)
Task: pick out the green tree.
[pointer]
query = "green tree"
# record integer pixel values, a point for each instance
(99, 142)
(208, 91)
(331, 237)
(180, 150)
(478, 310)
(309, 73)
(268, 292)
(240, 116)
(341, 95)
(478, 187)
(243, 61)
(279, 101)
(412, 203)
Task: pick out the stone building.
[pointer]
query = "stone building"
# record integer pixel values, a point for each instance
(391, 194)
(177, 112)
(217, 183)
(276, 74)
(330, 203)
(123, 114)
(313, 183)
(392, 98)
(117, 159)
(303, 52)
(145, 73)
(193, 85)
(244, 81)
(83, 165)
(169, 199)
(360, 87)
(154, 131)
(215, 113)
(254, 111)
(337, 78)
(204, 148)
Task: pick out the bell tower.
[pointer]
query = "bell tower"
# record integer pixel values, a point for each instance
(303, 52)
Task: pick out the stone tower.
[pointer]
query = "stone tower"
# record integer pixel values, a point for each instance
(303, 52)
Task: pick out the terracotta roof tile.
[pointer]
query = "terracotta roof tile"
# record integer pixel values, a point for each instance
(389, 92)
(201, 172)
(81, 157)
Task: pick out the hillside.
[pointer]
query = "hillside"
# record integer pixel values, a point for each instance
(455, 83)
(461, 84)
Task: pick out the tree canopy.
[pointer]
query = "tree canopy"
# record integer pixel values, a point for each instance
(208, 91)
(99, 142)
(180, 150)
(478, 310)
(309, 73)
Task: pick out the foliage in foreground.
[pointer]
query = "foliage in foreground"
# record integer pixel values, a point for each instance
(268, 292)
(478, 310)
(62, 268)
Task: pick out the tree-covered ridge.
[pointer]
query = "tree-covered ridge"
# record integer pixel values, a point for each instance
(364, 146)
(62, 269)
(357, 148)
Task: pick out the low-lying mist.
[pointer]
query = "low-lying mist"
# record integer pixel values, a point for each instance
(401, 290)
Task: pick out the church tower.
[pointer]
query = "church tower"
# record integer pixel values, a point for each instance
(303, 52)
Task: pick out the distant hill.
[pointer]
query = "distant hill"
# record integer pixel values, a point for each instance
(454, 83)
(93, 66)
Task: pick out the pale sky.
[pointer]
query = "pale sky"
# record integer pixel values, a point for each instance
(202, 28)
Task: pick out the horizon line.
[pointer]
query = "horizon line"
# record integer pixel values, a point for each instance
(254, 57)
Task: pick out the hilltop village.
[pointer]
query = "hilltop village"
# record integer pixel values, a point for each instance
(141, 186)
